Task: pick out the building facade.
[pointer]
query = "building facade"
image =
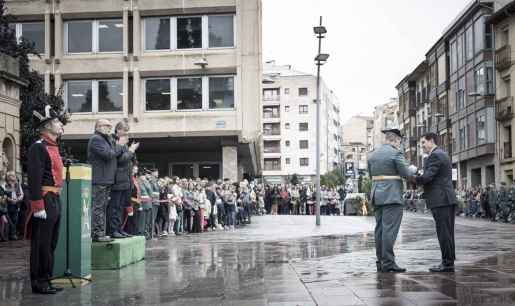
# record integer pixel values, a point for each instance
(503, 22)
(186, 74)
(289, 125)
(357, 141)
(386, 116)
(10, 103)
(461, 95)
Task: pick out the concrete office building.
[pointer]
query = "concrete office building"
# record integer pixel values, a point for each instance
(186, 74)
(289, 125)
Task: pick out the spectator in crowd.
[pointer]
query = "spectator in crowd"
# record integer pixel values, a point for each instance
(14, 195)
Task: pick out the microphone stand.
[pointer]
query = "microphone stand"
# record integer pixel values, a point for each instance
(67, 272)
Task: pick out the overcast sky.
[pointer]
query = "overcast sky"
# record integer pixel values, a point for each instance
(372, 44)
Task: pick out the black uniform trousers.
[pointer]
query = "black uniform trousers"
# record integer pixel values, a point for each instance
(115, 211)
(444, 220)
(44, 237)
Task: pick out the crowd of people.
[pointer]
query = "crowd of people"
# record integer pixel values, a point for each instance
(495, 204)
(14, 203)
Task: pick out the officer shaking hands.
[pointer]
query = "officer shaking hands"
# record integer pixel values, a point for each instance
(387, 167)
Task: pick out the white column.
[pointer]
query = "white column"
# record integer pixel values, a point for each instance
(125, 92)
(47, 35)
(125, 32)
(58, 81)
(230, 163)
(58, 36)
(136, 42)
(136, 105)
(47, 82)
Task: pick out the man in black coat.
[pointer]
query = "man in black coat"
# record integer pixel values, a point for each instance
(440, 198)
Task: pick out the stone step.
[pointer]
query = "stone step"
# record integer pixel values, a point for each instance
(117, 254)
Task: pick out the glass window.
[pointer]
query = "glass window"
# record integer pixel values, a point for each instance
(453, 57)
(303, 126)
(287, 160)
(157, 93)
(441, 70)
(221, 31)
(303, 144)
(479, 34)
(303, 91)
(286, 108)
(272, 163)
(189, 33)
(490, 90)
(287, 143)
(110, 96)
(110, 36)
(80, 36)
(479, 79)
(221, 92)
(34, 32)
(287, 126)
(461, 54)
(304, 162)
(271, 94)
(286, 91)
(469, 39)
(157, 33)
(303, 109)
(189, 93)
(481, 129)
(79, 96)
(460, 94)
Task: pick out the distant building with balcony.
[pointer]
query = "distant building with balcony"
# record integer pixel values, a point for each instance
(289, 125)
(504, 26)
(386, 116)
(461, 95)
(357, 141)
(186, 75)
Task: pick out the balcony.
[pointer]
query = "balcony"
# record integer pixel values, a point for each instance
(504, 109)
(507, 150)
(503, 57)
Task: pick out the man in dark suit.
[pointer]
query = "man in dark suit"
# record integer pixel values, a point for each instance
(440, 198)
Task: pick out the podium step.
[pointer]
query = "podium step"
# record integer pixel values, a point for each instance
(117, 254)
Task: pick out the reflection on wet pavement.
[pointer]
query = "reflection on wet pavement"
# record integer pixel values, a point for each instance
(285, 260)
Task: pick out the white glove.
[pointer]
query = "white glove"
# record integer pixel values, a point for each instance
(412, 169)
(40, 214)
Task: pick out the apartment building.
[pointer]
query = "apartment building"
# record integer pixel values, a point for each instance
(185, 74)
(461, 94)
(357, 141)
(289, 125)
(503, 22)
(386, 116)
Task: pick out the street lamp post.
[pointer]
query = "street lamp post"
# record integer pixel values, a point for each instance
(320, 59)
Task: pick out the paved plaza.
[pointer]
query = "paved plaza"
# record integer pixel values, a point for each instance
(286, 260)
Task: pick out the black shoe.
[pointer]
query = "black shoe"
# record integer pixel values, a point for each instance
(125, 234)
(43, 290)
(394, 269)
(117, 235)
(103, 239)
(442, 268)
(379, 266)
(56, 288)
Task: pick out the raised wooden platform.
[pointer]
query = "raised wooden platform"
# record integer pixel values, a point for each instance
(117, 254)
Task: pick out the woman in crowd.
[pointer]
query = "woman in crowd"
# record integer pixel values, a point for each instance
(14, 194)
(188, 202)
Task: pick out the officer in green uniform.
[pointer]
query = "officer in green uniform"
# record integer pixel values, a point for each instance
(492, 202)
(386, 167)
(503, 203)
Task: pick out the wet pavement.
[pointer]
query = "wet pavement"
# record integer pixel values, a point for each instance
(286, 260)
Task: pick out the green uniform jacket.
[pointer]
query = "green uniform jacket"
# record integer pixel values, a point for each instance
(387, 161)
(146, 191)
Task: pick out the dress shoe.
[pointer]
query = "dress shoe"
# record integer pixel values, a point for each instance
(125, 234)
(103, 239)
(43, 290)
(379, 266)
(56, 288)
(117, 235)
(441, 268)
(394, 269)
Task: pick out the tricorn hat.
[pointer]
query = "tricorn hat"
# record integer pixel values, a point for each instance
(47, 114)
(394, 131)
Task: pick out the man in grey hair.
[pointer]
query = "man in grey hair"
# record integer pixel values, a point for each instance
(387, 167)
